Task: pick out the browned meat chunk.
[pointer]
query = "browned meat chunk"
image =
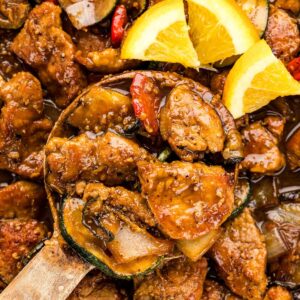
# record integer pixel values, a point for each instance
(44, 46)
(262, 154)
(287, 267)
(215, 291)
(278, 293)
(96, 286)
(103, 109)
(21, 200)
(217, 82)
(23, 127)
(96, 53)
(188, 200)
(110, 159)
(9, 63)
(13, 13)
(292, 5)
(241, 257)
(17, 238)
(282, 35)
(190, 125)
(179, 279)
(293, 150)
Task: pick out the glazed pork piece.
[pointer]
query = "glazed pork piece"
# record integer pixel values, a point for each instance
(96, 286)
(282, 34)
(212, 290)
(278, 293)
(17, 238)
(22, 199)
(261, 139)
(45, 47)
(241, 256)
(110, 159)
(97, 54)
(291, 5)
(187, 199)
(179, 279)
(23, 127)
(103, 109)
(293, 150)
(217, 82)
(13, 13)
(190, 125)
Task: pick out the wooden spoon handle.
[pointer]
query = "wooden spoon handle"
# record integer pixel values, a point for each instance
(51, 275)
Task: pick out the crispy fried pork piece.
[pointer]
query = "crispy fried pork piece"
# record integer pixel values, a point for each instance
(17, 238)
(217, 82)
(287, 267)
(215, 291)
(96, 53)
(282, 35)
(179, 279)
(23, 127)
(190, 125)
(103, 109)
(278, 293)
(262, 154)
(293, 150)
(241, 256)
(110, 159)
(44, 46)
(9, 63)
(97, 286)
(187, 199)
(13, 13)
(21, 199)
(291, 5)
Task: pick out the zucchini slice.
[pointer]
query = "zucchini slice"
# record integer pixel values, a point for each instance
(195, 249)
(242, 193)
(135, 7)
(258, 13)
(84, 13)
(92, 249)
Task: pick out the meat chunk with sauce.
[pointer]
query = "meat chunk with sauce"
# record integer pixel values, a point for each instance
(187, 199)
(241, 256)
(21, 199)
(96, 53)
(293, 150)
(282, 34)
(217, 82)
(190, 125)
(110, 159)
(290, 5)
(45, 47)
(103, 109)
(212, 290)
(13, 13)
(23, 127)
(278, 293)
(262, 153)
(17, 238)
(179, 279)
(96, 286)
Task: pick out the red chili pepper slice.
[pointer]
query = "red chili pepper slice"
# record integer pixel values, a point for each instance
(145, 100)
(119, 20)
(294, 68)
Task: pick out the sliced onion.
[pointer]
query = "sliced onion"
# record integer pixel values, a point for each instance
(285, 213)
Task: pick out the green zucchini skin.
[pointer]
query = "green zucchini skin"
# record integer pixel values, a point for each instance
(242, 202)
(92, 259)
(25, 260)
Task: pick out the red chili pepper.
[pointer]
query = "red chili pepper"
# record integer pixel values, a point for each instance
(119, 20)
(294, 68)
(145, 100)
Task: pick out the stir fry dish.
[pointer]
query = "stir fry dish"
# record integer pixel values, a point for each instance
(157, 140)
